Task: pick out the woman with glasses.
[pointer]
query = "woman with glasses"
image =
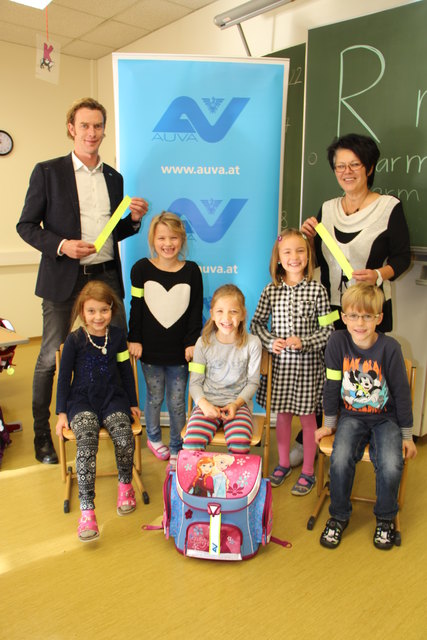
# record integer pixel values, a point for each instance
(369, 228)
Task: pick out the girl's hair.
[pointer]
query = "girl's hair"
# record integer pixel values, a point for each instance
(363, 297)
(364, 147)
(174, 223)
(276, 270)
(201, 461)
(210, 327)
(94, 290)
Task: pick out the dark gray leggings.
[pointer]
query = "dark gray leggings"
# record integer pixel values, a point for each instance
(85, 426)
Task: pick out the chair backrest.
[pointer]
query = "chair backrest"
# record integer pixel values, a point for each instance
(411, 372)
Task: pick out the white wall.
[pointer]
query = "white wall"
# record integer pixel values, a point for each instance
(34, 113)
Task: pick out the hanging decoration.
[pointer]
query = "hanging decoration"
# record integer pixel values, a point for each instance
(47, 56)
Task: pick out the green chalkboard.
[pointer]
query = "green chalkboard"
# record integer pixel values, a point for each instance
(291, 193)
(368, 76)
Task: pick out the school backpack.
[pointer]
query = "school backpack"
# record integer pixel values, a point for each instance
(217, 506)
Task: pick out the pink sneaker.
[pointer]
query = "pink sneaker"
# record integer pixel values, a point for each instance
(160, 450)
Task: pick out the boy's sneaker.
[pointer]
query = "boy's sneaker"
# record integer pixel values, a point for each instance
(331, 536)
(384, 534)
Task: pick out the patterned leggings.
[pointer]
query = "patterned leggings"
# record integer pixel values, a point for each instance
(238, 431)
(85, 426)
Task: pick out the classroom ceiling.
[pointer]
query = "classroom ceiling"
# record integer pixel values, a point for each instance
(91, 29)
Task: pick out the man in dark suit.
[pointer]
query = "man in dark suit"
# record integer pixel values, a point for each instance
(68, 202)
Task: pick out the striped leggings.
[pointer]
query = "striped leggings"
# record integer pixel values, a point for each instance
(85, 426)
(238, 431)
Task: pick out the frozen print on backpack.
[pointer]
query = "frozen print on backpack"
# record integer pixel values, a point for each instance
(217, 506)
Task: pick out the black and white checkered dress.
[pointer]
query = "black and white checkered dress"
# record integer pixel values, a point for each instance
(298, 375)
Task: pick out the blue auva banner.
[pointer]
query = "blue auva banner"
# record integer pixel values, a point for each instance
(204, 138)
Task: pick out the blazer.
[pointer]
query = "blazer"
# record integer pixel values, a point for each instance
(51, 213)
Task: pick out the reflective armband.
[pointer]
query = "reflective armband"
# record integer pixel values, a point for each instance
(195, 367)
(329, 318)
(122, 356)
(137, 292)
(333, 374)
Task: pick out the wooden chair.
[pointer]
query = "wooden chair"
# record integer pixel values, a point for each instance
(325, 450)
(261, 422)
(67, 473)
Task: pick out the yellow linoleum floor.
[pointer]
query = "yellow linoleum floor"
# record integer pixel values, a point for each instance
(133, 584)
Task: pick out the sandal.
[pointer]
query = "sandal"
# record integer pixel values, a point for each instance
(303, 485)
(172, 461)
(87, 529)
(161, 452)
(384, 535)
(331, 536)
(276, 479)
(126, 502)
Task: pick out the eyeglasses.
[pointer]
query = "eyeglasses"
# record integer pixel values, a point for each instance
(342, 166)
(366, 317)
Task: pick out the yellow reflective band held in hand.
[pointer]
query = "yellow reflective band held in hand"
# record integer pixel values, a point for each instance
(111, 224)
(335, 250)
(196, 368)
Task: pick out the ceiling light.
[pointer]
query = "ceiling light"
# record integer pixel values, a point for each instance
(36, 4)
(245, 11)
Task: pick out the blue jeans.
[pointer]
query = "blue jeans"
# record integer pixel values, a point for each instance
(173, 379)
(385, 450)
(56, 326)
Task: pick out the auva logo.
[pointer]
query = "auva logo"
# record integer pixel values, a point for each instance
(196, 222)
(184, 118)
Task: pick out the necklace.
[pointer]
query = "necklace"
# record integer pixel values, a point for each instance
(346, 208)
(104, 347)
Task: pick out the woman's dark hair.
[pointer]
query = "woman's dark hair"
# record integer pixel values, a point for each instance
(362, 146)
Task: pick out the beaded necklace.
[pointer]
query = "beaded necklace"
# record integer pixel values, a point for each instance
(103, 349)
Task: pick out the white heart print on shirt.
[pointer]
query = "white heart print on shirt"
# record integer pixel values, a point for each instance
(167, 306)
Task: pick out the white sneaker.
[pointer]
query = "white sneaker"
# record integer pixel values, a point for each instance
(296, 455)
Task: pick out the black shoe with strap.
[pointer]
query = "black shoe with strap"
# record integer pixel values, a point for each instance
(384, 535)
(331, 536)
(45, 451)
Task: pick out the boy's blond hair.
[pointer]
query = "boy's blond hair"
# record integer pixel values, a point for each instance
(276, 269)
(363, 297)
(174, 223)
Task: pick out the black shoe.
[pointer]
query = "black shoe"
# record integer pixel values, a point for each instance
(331, 536)
(45, 451)
(384, 534)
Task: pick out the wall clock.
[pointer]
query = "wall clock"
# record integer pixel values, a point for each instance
(6, 143)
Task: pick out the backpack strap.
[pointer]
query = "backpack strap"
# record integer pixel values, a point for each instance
(283, 543)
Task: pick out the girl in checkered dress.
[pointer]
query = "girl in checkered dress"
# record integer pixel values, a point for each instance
(293, 321)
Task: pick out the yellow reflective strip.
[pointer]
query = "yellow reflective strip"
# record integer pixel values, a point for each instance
(196, 368)
(329, 318)
(122, 356)
(136, 292)
(112, 223)
(333, 374)
(339, 256)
